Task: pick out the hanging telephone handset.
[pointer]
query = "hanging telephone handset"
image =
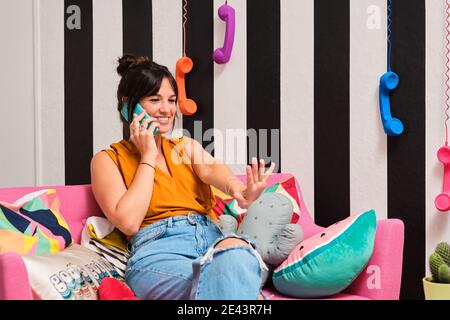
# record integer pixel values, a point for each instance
(187, 106)
(138, 110)
(227, 14)
(388, 82)
(442, 201)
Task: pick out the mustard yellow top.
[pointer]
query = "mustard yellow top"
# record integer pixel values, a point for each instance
(176, 194)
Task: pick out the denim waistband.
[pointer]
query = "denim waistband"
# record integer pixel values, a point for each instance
(190, 218)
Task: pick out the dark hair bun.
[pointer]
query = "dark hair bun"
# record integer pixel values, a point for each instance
(129, 61)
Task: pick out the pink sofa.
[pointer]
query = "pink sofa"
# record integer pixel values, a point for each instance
(379, 280)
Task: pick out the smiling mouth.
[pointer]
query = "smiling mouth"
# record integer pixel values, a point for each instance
(163, 120)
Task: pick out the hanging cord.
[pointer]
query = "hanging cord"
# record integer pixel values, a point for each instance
(389, 33)
(447, 69)
(184, 26)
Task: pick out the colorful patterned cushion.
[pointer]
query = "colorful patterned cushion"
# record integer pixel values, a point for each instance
(33, 224)
(72, 274)
(226, 204)
(329, 261)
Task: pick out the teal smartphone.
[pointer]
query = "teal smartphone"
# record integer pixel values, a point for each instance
(138, 110)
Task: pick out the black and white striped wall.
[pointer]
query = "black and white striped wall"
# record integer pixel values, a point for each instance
(304, 72)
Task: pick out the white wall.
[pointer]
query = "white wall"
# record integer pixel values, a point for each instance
(167, 35)
(107, 47)
(297, 94)
(50, 58)
(230, 95)
(368, 144)
(17, 128)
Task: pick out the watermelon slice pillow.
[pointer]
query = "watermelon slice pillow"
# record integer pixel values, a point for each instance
(329, 261)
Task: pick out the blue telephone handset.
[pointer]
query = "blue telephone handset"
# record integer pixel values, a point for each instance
(138, 110)
(388, 82)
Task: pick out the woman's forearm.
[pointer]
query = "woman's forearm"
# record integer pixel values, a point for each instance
(220, 176)
(134, 204)
(212, 171)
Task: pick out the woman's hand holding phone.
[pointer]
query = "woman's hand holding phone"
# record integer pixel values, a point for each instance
(143, 138)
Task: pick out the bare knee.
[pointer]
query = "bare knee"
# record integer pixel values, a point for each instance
(231, 242)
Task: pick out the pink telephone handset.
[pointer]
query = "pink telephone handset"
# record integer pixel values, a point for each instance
(187, 106)
(227, 14)
(442, 201)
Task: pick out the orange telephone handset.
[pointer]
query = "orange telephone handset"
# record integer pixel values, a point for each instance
(187, 106)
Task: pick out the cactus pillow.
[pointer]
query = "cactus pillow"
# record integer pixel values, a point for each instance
(226, 204)
(329, 261)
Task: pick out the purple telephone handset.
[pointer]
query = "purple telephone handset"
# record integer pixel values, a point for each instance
(227, 14)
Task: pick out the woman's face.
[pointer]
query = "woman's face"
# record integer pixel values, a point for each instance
(162, 106)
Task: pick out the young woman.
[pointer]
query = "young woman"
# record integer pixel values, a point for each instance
(157, 191)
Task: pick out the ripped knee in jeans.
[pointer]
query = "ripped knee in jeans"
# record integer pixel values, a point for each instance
(233, 241)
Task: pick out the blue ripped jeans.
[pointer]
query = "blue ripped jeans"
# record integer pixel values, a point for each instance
(175, 258)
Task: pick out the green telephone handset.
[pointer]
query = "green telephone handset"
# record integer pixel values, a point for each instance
(138, 110)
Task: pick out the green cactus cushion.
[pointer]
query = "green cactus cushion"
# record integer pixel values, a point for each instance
(328, 262)
(268, 223)
(227, 205)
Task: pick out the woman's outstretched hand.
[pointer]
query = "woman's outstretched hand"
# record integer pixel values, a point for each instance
(256, 183)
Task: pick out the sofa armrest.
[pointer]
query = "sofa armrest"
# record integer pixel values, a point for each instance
(14, 284)
(381, 279)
